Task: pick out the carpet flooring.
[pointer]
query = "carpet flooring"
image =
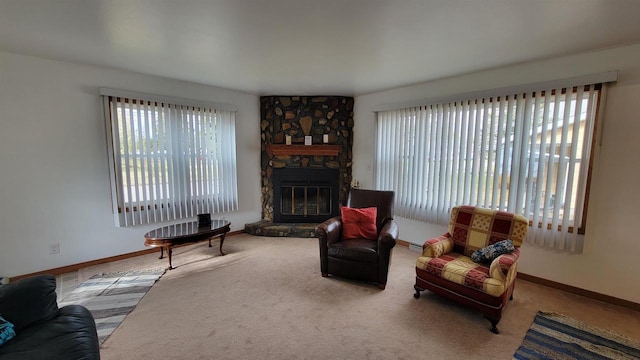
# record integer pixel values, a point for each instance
(267, 299)
(554, 336)
(111, 297)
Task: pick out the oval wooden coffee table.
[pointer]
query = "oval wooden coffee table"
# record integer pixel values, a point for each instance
(168, 236)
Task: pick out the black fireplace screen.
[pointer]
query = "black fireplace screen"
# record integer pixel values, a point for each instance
(304, 195)
(305, 200)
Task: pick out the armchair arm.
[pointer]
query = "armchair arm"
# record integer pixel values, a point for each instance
(329, 231)
(388, 235)
(438, 246)
(386, 241)
(504, 266)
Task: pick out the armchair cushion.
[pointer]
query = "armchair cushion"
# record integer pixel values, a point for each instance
(360, 250)
(359, 223)
(489, 253)
(460, 269)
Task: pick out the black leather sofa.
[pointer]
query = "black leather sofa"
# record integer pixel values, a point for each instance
(44, 331)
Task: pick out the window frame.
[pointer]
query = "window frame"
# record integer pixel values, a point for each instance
(380, 180)
(193, 184)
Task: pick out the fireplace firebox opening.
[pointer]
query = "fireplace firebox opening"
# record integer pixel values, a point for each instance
(305, 195)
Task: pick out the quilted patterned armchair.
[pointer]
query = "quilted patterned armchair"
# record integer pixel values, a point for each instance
(446, 268)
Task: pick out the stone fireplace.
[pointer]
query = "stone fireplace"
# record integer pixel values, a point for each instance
(297, 206)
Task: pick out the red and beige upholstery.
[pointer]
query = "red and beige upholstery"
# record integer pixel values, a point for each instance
(446, 268)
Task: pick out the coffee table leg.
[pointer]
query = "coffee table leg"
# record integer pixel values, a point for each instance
(169, 251)
(161, 252)
(222, 242)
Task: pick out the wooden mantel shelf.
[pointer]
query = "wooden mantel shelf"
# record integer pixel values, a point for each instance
(315, 150)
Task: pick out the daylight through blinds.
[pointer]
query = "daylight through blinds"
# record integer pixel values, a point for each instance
(523, 152)
(170, 161)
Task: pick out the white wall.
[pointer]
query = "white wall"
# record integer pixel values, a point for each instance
(609, 263)
(54, 179)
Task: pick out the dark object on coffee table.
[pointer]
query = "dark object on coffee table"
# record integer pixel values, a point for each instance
(204, 220)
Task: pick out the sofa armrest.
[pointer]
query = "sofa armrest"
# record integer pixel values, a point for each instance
(28, 301)
(437, 246)
(70, 335)
(504, 266)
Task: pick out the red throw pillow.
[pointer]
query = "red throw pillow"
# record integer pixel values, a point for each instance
(359, 223)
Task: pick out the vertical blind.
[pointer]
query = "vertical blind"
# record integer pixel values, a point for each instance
(525, 152)
(169, 160)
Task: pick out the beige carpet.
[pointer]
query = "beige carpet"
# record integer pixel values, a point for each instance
(266, 299)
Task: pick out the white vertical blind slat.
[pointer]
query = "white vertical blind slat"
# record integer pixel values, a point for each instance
(482, 145)
(165, 167)
(507, 154)
(434, 156)
(467, 154)
(115, 162)
(154, 142)
(140, 156)
(441, 155)
(476, 154)
(174, 181)
(517, 192)
(573, 163)
(457, 144)
(397, 160)
(206, 133)
(147, 166)
(127, 159)
(561, 173)
(225, 169)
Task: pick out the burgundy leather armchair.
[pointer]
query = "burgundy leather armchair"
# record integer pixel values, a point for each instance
(360, 259)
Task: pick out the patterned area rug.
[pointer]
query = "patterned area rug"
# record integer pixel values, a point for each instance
(555, 336)
(110, 297)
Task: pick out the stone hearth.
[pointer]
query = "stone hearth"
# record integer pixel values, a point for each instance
(295, 117)
(268, 228)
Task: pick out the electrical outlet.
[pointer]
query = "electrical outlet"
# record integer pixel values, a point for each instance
(54, 248)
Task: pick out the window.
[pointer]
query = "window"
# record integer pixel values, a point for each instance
(169, 160)
(524, 152)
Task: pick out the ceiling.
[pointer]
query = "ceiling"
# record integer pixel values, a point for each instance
(313, 47)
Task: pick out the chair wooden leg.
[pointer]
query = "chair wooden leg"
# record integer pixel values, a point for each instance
(494, 324)
(417, 294)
